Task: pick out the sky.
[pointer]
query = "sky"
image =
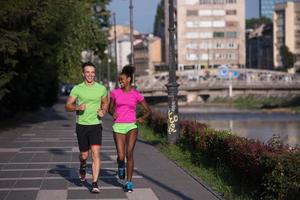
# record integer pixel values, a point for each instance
(144, 12)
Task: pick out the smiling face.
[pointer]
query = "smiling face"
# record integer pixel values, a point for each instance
(89, 74)
(124, 81)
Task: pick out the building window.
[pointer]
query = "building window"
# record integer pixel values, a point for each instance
(192, 13)
(218, 12)
(219, 24)
(231, 1)
(192, 45)
(231, 34)
(192, 35)
(230, 12)
(205, 24)
(205, 12)
(218, 34)
(191, 56)
(231, 24)
(206, 35)
(191, 2)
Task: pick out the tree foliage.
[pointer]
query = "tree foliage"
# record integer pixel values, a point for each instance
(287, 57)
(159, 22)
(40, 45)
(256, 22)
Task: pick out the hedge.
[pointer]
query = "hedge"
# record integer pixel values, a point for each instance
(271, 171)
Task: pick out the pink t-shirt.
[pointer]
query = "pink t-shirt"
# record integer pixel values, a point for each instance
(125, 104)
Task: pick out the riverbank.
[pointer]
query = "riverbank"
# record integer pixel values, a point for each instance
(249, 168)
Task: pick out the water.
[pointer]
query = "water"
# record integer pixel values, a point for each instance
(246, 123)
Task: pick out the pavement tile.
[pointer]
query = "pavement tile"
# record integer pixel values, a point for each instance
(41, 157)
(5, 157)
(22, 158)
(22, 195)
(28, 183)
(3, 194)
(37, 166)
(57, 173)
(14, 166)
(60, 184)
(38, 173)
(52, 195)
(7, 183)
(10, 174)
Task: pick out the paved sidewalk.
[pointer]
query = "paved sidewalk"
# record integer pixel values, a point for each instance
(39, 160)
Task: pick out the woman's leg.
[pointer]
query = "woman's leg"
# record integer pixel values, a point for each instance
(120, 146)
(131, 138)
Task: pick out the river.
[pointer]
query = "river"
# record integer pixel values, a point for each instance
(255, 124)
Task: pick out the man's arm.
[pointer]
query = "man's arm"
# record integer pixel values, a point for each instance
(104, 106)
(70, 105)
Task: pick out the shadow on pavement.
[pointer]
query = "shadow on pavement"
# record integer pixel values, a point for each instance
(164, 186)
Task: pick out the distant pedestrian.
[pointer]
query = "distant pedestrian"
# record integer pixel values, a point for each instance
(123, 109)
(89, 100)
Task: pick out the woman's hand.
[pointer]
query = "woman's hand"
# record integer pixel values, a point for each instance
(140, 120)
(115, 115)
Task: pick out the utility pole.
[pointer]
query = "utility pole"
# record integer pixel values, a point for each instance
(115, 47)
(131, 61)
(172, 86)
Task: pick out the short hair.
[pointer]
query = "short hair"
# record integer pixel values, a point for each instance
(87, 64)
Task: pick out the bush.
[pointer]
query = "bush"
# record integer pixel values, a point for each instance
(270, 171)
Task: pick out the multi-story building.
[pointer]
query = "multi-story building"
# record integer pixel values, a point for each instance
(209, 33)
(147, 53)
(286, 31)
(123, 44)
(266, 8)
(259, 47)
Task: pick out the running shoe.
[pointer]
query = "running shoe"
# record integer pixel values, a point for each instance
(121, 172)
(95, 188)
(82, 171)
(128, 187)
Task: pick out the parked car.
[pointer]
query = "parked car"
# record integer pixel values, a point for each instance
(65, 89)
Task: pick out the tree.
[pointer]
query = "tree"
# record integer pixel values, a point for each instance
(159, 22)
(256, 22)
(40, 45)
(287, 57)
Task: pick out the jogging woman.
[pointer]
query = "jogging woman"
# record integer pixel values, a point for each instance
(123, 104)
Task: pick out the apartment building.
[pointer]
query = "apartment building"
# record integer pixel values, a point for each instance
(147, 53)
(123, 44)
(286, 22)
(209, 33)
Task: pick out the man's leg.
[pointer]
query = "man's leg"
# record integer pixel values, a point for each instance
(96, 161)
(83, 156)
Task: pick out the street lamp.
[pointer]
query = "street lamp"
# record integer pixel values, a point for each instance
(172, 86)
(131, 61)
(115, 47)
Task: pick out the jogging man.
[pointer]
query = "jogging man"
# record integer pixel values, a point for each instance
(89, 100)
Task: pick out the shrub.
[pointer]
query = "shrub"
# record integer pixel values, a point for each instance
(271, 171)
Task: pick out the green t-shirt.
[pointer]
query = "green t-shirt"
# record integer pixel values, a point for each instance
(91, 96)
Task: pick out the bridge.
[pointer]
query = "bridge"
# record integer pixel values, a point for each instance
(200, 85)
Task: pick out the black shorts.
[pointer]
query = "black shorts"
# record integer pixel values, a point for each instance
(88, 135)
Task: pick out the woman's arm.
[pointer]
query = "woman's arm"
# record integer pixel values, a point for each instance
(147, 112)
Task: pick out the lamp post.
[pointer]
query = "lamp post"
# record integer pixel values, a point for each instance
(131, 61)
(172, 86)
(115, 47)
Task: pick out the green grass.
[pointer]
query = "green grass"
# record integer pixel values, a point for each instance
(218, 178)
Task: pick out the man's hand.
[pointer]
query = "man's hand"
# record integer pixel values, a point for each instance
(101, 113)
(81, 107)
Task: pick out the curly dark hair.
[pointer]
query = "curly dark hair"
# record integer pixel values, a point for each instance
(128, 70)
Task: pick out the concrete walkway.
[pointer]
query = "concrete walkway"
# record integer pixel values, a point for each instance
(39, 160)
